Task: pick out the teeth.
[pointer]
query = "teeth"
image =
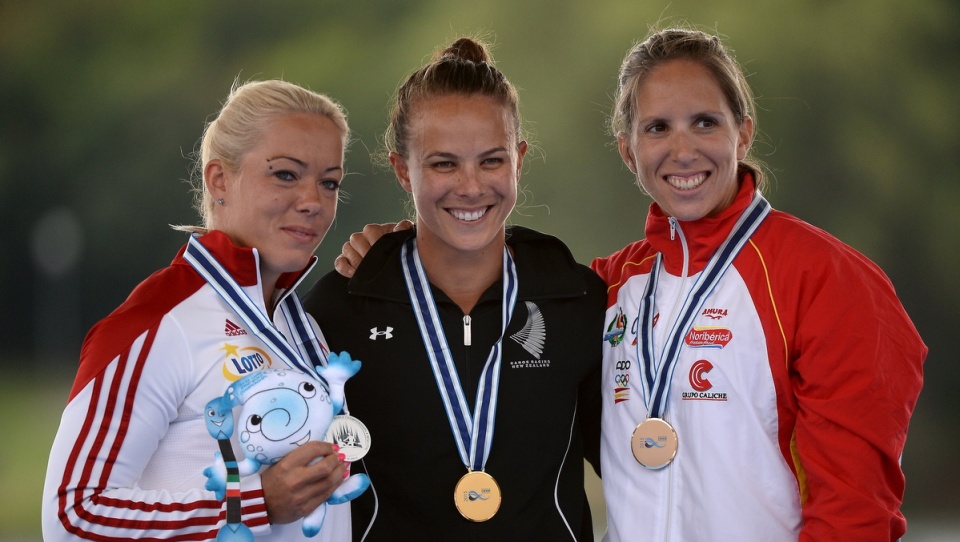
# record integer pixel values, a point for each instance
(686, 183)
(469, 216)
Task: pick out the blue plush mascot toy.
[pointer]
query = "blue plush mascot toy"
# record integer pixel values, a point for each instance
(280, 409)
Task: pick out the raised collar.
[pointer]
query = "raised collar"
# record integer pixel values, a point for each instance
(537, 255)
(243, 263)
(703, 236)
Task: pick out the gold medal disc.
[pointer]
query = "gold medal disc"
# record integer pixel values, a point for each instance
(654, 443)
(477, 496)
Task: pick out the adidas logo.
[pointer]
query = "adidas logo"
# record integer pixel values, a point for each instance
(233, 330)
(534, 332)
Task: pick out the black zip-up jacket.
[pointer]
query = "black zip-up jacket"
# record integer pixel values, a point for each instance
(548, 413)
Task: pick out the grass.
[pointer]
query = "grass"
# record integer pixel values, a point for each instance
(31, 413)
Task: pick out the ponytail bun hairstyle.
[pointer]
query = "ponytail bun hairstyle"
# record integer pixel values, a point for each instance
(465, 68)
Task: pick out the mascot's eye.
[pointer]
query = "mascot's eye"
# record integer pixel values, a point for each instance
(253, 423)
(211, 413)
(307, 389)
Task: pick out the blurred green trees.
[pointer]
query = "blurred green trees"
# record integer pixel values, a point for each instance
(102, 103)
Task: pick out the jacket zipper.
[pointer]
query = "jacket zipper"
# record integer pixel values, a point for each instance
(466, 330)
(676, 230)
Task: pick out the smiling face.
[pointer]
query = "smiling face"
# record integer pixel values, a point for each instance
(284, 196)
(462, 166)
(685, 144)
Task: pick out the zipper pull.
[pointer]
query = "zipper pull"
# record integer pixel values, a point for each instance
(466, 330)
(673, 228)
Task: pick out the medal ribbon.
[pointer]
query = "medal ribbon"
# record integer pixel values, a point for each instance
(307, 339)
(656, 378)
(220, 280)
(475, 431)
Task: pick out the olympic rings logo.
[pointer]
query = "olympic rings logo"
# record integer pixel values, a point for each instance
(622, 379)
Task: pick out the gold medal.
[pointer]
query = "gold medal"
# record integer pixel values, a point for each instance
(477, 496)
(654, 443)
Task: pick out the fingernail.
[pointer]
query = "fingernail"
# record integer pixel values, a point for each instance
(341, 457)
(336, 448)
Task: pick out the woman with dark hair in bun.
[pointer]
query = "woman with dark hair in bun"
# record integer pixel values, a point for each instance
(480, 342)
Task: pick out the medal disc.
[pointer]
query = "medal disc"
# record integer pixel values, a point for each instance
(477, 496)
(350, 435)
(654, 443)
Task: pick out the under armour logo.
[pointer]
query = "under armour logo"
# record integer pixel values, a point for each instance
(375, 332)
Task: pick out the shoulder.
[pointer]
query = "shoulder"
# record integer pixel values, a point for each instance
(791, 243)
(150, 301)
(533, 246)
(628, 261)
(327, 289)
(379, 275)
(548, 260)
(143, 310)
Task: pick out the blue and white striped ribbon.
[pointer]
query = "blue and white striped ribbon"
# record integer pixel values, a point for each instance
(220, 280)
(656, 378)
(473, 434)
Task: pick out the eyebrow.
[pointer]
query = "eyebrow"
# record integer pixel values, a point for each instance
(695, 115)
(448, 155)
(493, 151)
(301, 163)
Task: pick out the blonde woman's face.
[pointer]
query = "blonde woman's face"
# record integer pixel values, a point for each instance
(284, 198)
(685, 143)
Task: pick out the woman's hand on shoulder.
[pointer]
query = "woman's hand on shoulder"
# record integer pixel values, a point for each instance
(356, 248)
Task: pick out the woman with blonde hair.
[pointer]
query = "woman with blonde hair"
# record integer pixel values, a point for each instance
(128, 459)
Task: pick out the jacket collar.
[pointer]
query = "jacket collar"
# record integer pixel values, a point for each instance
(536, 255)
(243, 263)
(703, 236)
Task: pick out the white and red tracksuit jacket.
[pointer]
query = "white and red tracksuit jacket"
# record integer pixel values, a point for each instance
(791, 396)
(127, 462)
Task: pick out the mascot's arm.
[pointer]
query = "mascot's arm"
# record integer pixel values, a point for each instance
(340, 367)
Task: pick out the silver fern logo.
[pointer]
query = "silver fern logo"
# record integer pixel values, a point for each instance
(534, 332)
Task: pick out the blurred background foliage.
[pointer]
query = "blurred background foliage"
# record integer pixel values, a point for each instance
(102, 103)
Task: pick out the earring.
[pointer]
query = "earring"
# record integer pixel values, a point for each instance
(220, 202)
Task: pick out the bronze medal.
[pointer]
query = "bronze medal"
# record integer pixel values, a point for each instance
(654, 443)
(477, 496)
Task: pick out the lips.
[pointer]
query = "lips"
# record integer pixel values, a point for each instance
(681, 182)
(306, 234)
